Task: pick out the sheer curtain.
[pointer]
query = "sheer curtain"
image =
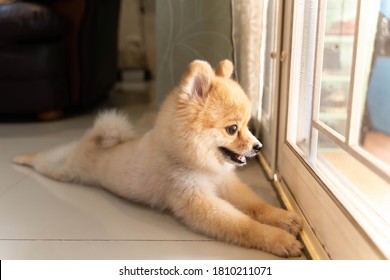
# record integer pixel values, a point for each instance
(247, 38)
(188, 30)
(212, 31)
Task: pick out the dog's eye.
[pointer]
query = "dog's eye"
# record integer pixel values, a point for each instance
(232, 129)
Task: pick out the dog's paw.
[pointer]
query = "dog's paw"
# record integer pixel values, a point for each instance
(290, 222)
(26, 159)
(277, 217)
(284, 245)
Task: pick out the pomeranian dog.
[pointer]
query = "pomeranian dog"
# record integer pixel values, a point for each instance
(184, 164)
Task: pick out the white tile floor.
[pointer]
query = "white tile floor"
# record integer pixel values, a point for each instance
(44, 219)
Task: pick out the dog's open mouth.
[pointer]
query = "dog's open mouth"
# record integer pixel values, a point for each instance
(236, 158)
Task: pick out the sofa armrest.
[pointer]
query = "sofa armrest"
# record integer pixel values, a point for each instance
(23, 21)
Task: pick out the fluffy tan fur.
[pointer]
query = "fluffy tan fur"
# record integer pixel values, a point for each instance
(185, 164)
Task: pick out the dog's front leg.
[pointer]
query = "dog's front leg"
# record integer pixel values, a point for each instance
(245, 199)
(215, 217)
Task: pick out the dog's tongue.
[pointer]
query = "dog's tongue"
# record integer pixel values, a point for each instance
(241, 158)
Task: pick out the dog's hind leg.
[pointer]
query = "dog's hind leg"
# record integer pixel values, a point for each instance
(25, 159)
(51, 163)
(75, 161)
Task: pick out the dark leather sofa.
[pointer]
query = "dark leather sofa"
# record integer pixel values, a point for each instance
(56, 54)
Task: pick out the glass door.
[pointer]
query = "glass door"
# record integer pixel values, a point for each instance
(334, 133)
(269, 83)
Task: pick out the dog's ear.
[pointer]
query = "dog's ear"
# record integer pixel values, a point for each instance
(197, 80)
(224, 69)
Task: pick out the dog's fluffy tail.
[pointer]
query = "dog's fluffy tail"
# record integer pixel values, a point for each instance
(110, 129)
(60, 163)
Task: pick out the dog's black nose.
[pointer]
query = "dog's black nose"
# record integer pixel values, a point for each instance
(257, 147)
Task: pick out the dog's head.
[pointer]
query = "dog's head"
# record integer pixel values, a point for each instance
(212, 114)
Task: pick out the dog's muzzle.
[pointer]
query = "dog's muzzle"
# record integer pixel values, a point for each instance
(240, 159)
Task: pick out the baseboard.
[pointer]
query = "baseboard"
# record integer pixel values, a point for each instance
(313, 247)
